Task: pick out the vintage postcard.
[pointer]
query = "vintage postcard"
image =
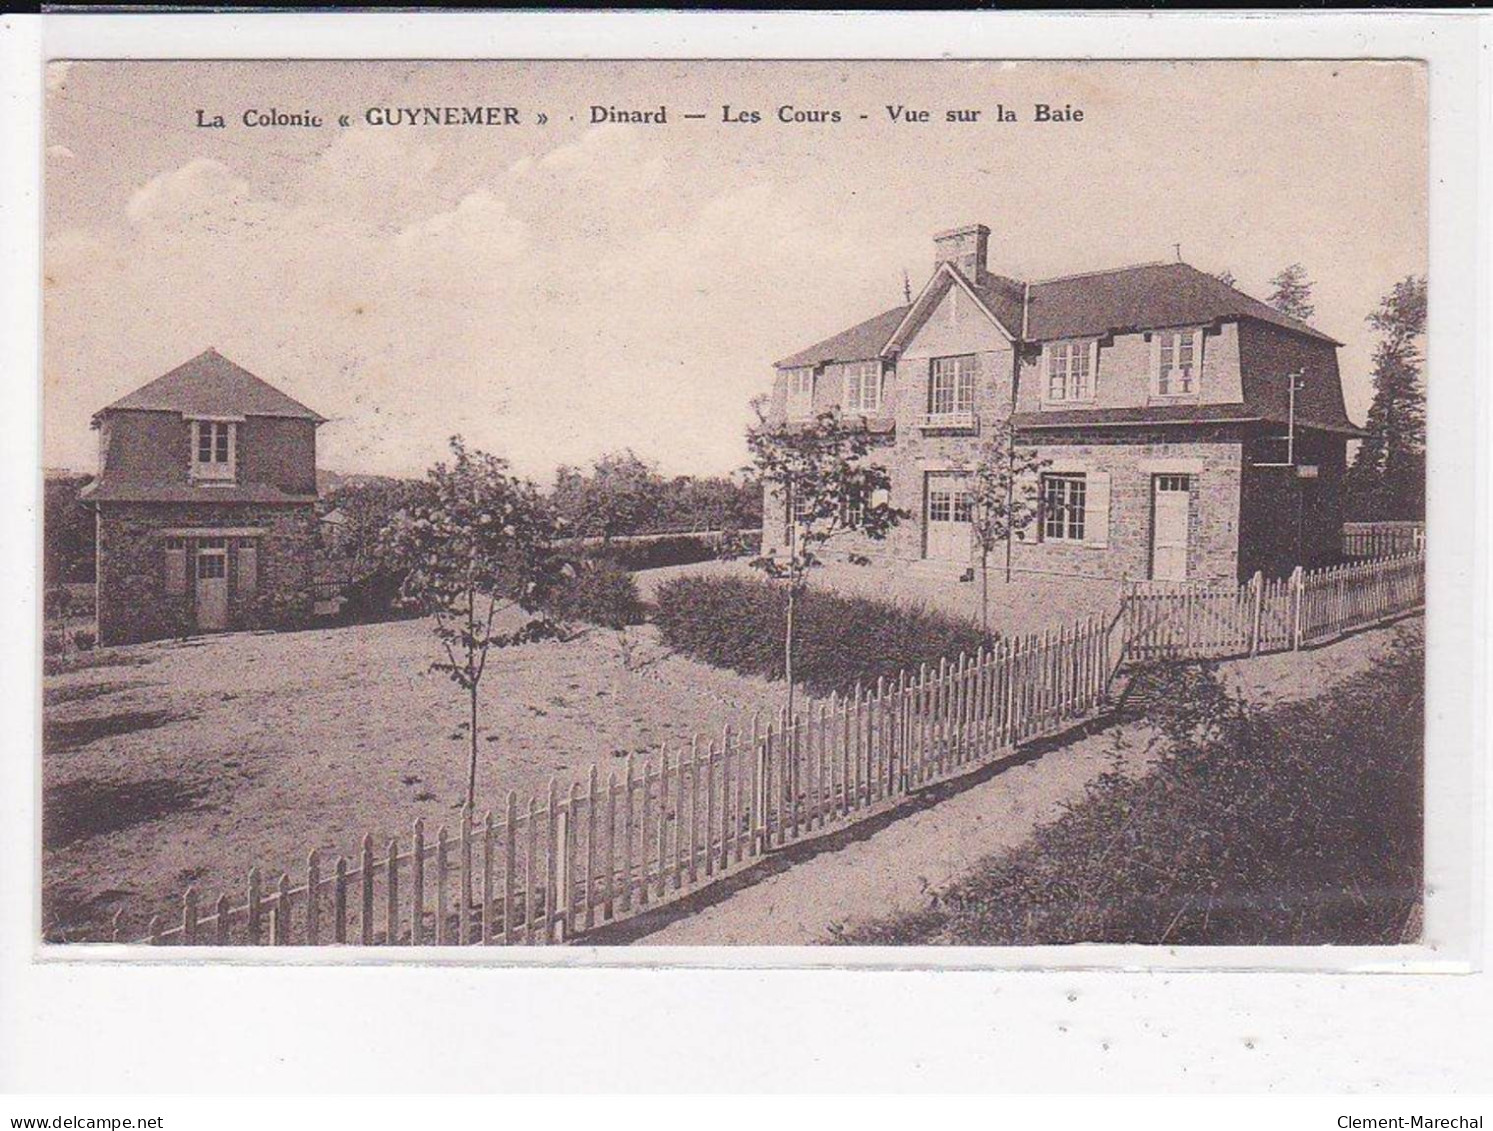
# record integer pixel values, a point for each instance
(755, 504)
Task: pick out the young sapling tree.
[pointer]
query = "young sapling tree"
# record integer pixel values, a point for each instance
(820, 472)
(1003, 485)
(477, 545)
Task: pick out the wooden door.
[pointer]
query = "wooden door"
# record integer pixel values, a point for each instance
(1169, 510)
(212, 585)
(947, 519)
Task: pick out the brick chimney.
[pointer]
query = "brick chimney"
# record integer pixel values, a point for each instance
(965, 248)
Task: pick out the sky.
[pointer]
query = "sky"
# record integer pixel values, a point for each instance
(555, 292)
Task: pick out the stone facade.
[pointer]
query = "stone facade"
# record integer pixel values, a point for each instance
(133, 599)
(1241, 517)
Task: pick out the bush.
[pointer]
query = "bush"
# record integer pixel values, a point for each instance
(53, 643)
(738, 623)
(374, 596)
(599, 592)
(84, 639)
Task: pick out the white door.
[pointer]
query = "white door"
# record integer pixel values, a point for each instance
(212, 585)
(947, 511)
(1169, 508)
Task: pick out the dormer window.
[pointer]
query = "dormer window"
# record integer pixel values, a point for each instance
(801, 393)
(1071, 369)
(862, 388)
(214, 450)
(1179, 362)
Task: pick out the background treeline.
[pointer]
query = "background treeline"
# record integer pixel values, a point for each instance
(619, 495)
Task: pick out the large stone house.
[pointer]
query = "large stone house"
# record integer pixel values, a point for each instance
(205, 504)
(1161, 397)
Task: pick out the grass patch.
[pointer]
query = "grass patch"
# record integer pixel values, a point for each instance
(1301, 825)
(738, 623)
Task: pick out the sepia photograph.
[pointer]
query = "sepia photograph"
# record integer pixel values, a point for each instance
(734, 504)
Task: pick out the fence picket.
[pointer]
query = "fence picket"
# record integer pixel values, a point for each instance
(510, 867)
(485, 922)
(442, 862)
(391, 896)
(417, 884)
(254, 909)
(313, 902)
(366, 920)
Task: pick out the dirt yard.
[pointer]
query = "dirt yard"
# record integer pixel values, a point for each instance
(180, 763)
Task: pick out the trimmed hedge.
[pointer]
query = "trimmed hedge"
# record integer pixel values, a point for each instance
(676, 549)
(738, 623)
(602, 593)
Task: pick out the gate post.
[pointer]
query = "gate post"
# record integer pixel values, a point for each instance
(1298, 589)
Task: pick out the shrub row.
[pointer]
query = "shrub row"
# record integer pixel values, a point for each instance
(678, 549)
(738, 623)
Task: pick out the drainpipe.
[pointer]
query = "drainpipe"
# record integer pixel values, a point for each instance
(1026, 303)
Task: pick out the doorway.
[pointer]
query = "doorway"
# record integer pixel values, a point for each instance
(1170, 504)
(212, 585)
(947, 514)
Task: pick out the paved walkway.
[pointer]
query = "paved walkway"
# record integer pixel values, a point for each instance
(890, 864)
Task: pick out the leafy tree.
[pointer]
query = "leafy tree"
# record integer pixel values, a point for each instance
(67, 531)
(1388, 478)
(1003, 485)
(820, 473)
(620, 496)
(477, 545)
(369, 505)
(1293, 293)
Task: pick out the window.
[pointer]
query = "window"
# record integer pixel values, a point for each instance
(940, 506)
(800, 393)
(1063, 506)
(855, 513)
(214, 449)
(1179, 362)
(802, 508)
(212, 559)
(951, 386)
(1070, 367)
(964, 507)
(863, 388)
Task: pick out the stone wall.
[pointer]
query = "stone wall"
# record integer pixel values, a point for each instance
(132, 600)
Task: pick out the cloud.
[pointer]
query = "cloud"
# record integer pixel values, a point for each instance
(201, 192)
(60, 153)
(479, 223)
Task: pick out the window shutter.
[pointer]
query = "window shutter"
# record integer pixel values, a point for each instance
(1096, 520)
(176, 571)
(1094, 368)
(248, 569)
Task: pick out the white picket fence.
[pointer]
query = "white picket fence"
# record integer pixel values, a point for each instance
(1382, 539)
(1202, 619)
(591, 853)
